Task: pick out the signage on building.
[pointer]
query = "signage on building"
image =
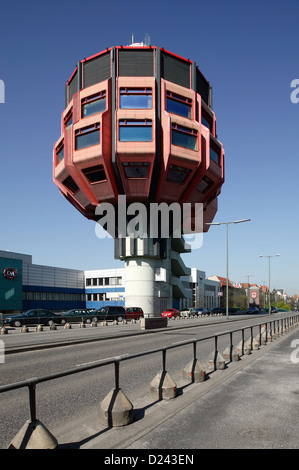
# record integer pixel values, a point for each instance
(254, 295)
(10, 273)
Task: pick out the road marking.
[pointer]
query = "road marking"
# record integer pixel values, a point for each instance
(99, 360)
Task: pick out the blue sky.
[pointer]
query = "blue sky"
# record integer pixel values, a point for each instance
(249, 53)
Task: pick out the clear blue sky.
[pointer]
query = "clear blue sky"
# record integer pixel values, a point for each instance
(249, 53)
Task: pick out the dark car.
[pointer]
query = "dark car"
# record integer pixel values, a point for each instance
(110, 313)
(218, 310)
(78, 315)
(134, 313)
(253, 310)
(33, 317)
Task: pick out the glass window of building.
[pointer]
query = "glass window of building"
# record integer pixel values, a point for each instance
(87, 136)
(136, 170)
(205, 184)
(59, 152)
(95, 174)
(177, 104)
(135, 98)
(93, 104)
(206, 121)
(184, 137)
(177, 174)
(215, 155)
(68, 120)
(132, 130)
(70, 184)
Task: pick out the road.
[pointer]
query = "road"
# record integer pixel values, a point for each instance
(76, 398)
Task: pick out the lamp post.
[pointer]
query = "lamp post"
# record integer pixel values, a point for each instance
(227, 224)
(248, 276)
(269, 258)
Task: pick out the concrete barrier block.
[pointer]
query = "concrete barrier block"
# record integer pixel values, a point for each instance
(3, 331)
(94, 324)
(153, 322)
(216, 363)
(82, 325)
(116, 409)
(194, 372)
(24, 329)
(247, 347)
(255, 343)
(163, 386)
(67, 326)
(33, 435)
(264, 338)
(39, 328)
(53, 327)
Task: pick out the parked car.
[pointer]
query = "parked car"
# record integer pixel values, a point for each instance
(78, 315)
(253, 310)
(202, 311)
(110, 313)
(274, 309)
(171, 312)
(188, 312)
(33, 317)
(133, 313)
(218, 310)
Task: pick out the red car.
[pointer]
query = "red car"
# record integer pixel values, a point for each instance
(134, 313)
(171, 312)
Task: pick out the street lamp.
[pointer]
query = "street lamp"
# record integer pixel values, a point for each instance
(227, 224)
(248, 276)
(269, 257)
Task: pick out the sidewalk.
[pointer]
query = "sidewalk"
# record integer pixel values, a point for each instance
(252, 404)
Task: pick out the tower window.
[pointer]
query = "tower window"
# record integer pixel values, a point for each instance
(70, 184)
(95, 174)
(177, 174)
(214, 155)
(59, 152)
(184, 137)
(135, 98)
(177, 104)
(136, 170)
(93, 104)
(131, 130)
(87, 136)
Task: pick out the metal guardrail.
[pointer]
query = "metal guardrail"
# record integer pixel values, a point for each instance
(276, 327)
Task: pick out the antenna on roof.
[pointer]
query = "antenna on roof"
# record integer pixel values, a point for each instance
(147, 39)
(133, 38)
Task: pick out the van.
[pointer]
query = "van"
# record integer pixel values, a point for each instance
(110, 313)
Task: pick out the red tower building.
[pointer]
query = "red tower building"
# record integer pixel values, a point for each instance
(138, 121)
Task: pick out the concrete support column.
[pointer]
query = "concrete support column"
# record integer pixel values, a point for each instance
(140, 285)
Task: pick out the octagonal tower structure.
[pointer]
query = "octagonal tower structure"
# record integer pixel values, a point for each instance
(138, 127)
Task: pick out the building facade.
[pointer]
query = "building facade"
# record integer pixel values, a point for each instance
(25, 286)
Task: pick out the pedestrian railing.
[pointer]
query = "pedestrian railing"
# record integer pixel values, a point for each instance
(116, 409)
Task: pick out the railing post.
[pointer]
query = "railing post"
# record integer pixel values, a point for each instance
(32, 401)
(164, 359)
(116, 373)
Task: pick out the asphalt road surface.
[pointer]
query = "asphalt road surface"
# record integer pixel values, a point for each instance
(76, 398)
